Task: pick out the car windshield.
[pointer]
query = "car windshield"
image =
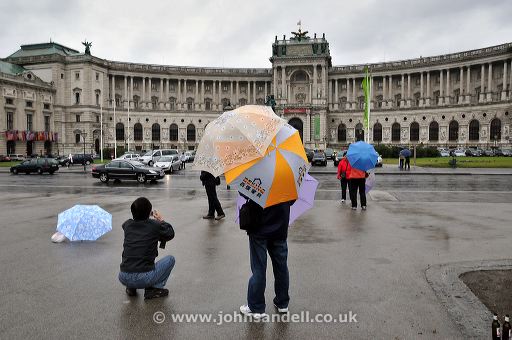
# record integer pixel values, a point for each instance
(149, 153)
(165, 159)
(319, 154)
(137, 163)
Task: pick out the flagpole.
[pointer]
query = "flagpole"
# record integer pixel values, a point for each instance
(128, 125)
(101, 128)
(115, 131)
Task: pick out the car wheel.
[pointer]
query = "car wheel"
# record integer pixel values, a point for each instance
(87, 162)
(104, 177)
(171, 170)
(141, 178)
(15, 171)
(51, 172)
(39, 171)
(150, 163)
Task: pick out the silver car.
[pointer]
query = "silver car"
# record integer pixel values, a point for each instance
(168, 163)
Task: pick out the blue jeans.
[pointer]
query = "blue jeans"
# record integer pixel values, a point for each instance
(278, 252)
(156, 278)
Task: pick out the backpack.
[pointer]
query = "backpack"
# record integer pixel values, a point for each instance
(250, 216)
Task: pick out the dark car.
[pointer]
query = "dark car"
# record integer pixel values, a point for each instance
(319, 158)
(488, 152)
(472, 152)
(39, 165)
(309, 154)
(126, 170)
(78, 158)
(329, 153)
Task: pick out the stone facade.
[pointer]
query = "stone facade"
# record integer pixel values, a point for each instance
(459, 99)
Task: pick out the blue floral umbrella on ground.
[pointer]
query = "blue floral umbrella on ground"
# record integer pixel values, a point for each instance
(84, 222)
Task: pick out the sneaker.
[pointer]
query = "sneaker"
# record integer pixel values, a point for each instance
(342, 200)
(281, 310)
(208, 217)
(354, 208)
(220, 217)
(363, 207)
(153, 293)
(245, 310)
(131, 291)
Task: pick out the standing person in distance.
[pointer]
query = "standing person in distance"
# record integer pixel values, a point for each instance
(183, 160)
(342, 176)
(70, 160)
(210, 183)
(357, 182)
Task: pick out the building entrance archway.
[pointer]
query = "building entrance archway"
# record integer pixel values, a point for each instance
(298, 125)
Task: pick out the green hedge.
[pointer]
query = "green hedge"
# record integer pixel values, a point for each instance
(393, 151)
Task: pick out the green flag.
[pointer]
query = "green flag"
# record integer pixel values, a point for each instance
(366, 92)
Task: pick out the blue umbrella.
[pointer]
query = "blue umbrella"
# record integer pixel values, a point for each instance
(406, 153)
(362, 156)
(84, 222)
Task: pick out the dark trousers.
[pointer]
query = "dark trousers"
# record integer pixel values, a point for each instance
(407, 163)
(182, 165)
(357, 184)
(401, 166)
(213, 201)
(343, 183)
(278, 252)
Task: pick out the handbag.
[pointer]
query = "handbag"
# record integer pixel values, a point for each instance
(217, 180)
(250, 216)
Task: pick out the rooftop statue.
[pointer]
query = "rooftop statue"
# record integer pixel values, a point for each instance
(87, 47)
(300, 35)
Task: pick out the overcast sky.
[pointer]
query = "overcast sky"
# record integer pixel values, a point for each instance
(234, 33)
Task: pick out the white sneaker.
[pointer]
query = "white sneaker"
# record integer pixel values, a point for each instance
(354, 208)
(363, 207)
(245, 310)
(281, 310)
(342, 201)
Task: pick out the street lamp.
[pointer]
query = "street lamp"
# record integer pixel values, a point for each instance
(84, 135)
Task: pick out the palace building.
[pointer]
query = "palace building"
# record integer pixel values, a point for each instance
(53, 98)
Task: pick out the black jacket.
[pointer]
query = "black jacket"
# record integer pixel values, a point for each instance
(208, 179)
(140, 244)
(274, 222)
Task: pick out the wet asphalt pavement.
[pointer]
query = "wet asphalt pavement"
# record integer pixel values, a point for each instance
(370, 263)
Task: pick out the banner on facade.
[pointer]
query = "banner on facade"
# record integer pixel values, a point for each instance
(316, 122)
(296, 110)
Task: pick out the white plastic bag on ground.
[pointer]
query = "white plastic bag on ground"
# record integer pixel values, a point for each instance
(58, 237)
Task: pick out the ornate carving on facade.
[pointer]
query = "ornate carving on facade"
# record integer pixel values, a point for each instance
(443, 133)
(423, 133)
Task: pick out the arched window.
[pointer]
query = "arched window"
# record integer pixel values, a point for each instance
(190, 104)
(414, 132)
(395, 132)
(173, 132)
(474, 130)
(433, 131)
(453, 131)
(119, 131)
(359, 132)
(495, 130)
(342, 133)
(377, 132)
(155, 132)
(77, 98)
(137, 132)
(77, 138)
(191, 133)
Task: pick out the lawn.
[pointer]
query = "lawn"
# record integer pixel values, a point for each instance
(8, 164)
(462, 162)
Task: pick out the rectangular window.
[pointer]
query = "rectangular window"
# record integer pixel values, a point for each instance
(189, 88)
(77, 117)
(47, 123)
(46, 106)
(207, 88)
(172, 88)
(136, 85)
(77, 75)
(29, 104)
(97, 76)
(10, 121)
(62, 76)
(29, 122)
(379, 85)
(9, 101)
(153, 86)
(97, 119)
(225, 88)
(344, 86)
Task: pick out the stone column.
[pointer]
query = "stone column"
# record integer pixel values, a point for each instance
(461, 86)
(130, 95)
(254, 89)
(384, 95)
(510, 83)
(468, 83)
(315, 91)
(482, 76)
(167, 90)
(448, 94)
(354, 93)
(161, 94)
(504, 89)
(197, 104)
(184, 98)
(324, 80)
(441, 92)
(214, 101)
(266, 93)
(283, 79)
(150, 100)
(428, 89)
(408, 90)
(329, 96)
(489, 83)
(307, 133)
(274, 85)
(422, 97)
(336, 95)
(125, 96)
(237, 92)
(219, 95)
(178, 96)
(349, 102)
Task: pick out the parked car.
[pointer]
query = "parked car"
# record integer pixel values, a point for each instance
(128, 156)
(444, 153)
(473, 152)
(506, 152)
(319, 158)
(16, 157)
(39, 165)
(169, 163)
(4, 158)
(379, 162)
(488, 152)
(152, 156)
(309, 154)
(191, 155)
(329, 153)
(82, 159)
(126, 170)
(459, 153)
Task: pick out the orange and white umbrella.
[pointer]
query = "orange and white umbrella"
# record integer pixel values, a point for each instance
(236, 137)
(277, 176)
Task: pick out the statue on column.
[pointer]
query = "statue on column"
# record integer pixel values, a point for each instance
(87, 47)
